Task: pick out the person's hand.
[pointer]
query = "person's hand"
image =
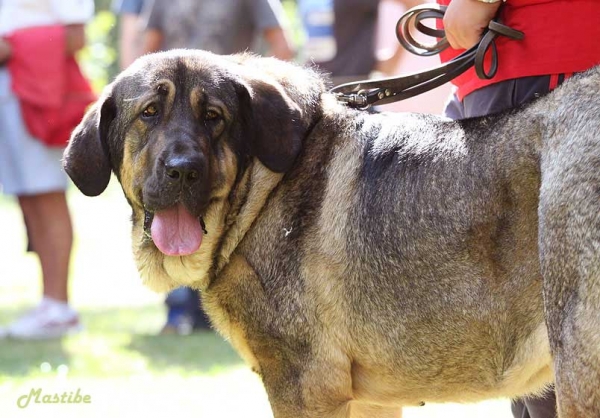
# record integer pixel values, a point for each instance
(465, 21)
(75, 38)
(5, 51)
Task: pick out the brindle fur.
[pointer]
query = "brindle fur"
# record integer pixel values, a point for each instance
(364, 262)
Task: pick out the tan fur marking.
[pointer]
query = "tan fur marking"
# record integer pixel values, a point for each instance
(263, 181)
(531, 369)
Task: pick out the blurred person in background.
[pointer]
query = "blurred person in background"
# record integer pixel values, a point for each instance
(43, 96)
(222, 27)
(219, 26)
(130, 30)
(341, 38)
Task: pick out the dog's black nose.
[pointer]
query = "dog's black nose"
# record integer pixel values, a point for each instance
(183, 170)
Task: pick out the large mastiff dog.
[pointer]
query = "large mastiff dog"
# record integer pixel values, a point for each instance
(362, 262)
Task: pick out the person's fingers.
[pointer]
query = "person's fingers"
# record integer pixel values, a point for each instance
(462, 36)
(469, 39)
(465, 21)
(452, 40)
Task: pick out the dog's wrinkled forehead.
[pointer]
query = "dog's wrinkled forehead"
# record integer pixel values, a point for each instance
(179, 69)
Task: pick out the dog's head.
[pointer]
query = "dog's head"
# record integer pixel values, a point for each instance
(178, 129)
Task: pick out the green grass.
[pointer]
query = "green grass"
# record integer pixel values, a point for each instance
(118, 359)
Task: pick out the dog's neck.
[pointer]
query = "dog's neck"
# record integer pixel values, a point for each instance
(248, 198)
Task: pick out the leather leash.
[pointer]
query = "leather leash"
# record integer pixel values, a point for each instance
(365, 93)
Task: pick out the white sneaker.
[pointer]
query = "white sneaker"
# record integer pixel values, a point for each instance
(50, 319)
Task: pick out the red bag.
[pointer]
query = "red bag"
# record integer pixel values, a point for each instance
(52, 91)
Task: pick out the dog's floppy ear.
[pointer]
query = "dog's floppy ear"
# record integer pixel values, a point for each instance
(86, 159)
(272, 123)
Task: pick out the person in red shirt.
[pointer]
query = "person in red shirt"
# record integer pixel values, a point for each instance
(43, 96)
(560, 39)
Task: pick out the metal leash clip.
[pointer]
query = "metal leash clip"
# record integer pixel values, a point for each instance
(355, 100)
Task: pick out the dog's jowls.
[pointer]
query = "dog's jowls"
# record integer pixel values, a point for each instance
(362, 262)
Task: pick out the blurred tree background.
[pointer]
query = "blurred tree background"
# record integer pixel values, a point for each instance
(100, 58)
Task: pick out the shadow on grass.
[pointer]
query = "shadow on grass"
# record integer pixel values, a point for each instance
(202, 352)
(22, 358)
(113, 342)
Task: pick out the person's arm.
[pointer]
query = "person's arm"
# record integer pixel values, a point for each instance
(75, 38)
(130, 34)
(5, 51)
(152, 39)
(465, 21)
(278, 43)
(128, 39)
(73, 14)
(269, 18)
(388, 59)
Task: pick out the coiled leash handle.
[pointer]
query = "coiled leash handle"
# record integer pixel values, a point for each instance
(365, 93)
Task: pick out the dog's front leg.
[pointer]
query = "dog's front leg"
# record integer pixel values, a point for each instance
(317, 389)
(363, 410)
(306, 390)
(329, 407)
(290, 397)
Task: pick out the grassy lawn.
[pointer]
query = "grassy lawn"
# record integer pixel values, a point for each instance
(118, 360)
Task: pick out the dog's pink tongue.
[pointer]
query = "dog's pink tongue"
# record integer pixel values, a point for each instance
(176, 232)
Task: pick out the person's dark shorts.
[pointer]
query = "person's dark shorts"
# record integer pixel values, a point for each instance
(501, 96)
(544, 407)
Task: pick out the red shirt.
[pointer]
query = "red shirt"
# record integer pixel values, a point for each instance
(561, 36)
(52, 91)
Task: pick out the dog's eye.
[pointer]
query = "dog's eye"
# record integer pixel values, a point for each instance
(211, 115)
(150, 111)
